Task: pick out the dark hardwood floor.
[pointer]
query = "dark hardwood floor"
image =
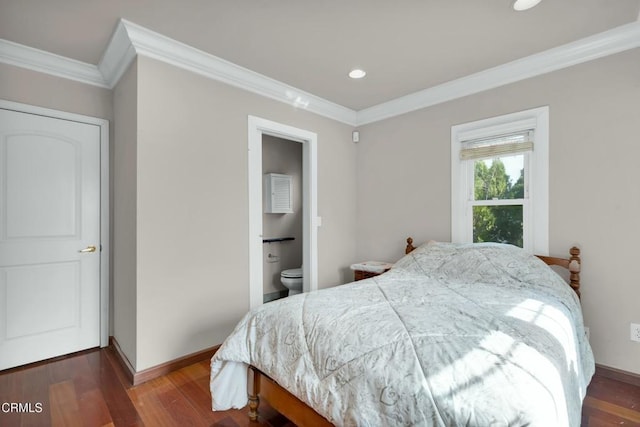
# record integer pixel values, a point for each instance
(90, 389)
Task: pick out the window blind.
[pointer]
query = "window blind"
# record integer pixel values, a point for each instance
(497, 146)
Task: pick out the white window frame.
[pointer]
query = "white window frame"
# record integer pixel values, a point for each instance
(536, 207)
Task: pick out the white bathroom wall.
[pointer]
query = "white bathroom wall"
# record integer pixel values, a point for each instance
(284, 157)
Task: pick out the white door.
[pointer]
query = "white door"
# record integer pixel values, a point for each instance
(49, 225)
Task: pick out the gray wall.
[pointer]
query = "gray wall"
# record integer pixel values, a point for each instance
(404, 181)
(124, 206)
(44, 90)
(192, 207)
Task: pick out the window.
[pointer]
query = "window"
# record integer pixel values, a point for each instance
(500, 180)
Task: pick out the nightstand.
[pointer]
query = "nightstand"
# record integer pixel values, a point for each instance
(367, 269)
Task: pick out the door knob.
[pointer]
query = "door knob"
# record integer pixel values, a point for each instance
(88, 249)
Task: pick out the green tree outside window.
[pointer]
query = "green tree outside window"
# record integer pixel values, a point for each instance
(502, 224)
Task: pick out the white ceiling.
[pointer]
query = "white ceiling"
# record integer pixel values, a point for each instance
(405, 45)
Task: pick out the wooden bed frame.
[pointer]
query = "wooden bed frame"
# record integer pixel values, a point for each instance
(302, 415)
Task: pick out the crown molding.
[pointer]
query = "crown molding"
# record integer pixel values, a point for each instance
(597, 46)
(118, 55)
(130, 40)
(44, 62)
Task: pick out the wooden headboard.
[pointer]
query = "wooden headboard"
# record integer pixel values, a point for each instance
(572, 263)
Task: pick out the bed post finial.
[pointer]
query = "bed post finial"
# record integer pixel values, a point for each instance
(410, 246)
(574, 269)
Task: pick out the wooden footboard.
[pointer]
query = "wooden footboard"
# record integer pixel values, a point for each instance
(282, 401)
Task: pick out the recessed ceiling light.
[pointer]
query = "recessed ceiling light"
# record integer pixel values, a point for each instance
(521, 5)
(357, 73)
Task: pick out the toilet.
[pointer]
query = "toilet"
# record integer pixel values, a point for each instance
(292, 280)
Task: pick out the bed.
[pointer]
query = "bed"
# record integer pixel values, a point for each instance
(453, 334)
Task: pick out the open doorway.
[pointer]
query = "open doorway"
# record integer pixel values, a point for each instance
(257, 128)
(281, 218)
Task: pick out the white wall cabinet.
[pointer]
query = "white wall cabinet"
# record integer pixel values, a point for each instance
(278, 193)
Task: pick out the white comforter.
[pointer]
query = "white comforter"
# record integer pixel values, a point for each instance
(473, 335)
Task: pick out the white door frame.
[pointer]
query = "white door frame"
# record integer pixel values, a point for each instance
(310, 221)
(104, 197)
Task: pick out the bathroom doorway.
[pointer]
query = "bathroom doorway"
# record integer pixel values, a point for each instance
(257, 129)
(281, 225)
